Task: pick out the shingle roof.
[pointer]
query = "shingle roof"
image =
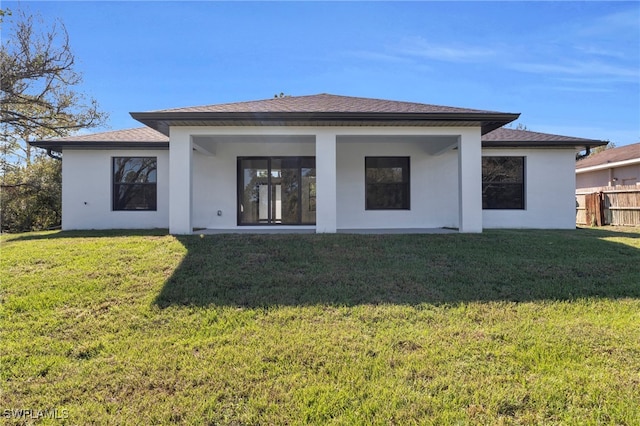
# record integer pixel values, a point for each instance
(514, 135)
(613, 155)
(145, 137)
(139, 134)
(514, 138)
(142, 137)
(323, 110)
(324, 102)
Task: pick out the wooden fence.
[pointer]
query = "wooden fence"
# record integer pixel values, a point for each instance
(619, 205)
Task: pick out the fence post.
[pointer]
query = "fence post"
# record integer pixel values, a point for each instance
(600, 209)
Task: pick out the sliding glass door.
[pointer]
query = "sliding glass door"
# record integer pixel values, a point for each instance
(276, 191)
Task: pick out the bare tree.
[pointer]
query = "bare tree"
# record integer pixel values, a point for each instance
(609, 145)
(38, 99)
(518, 126)
(37, 87)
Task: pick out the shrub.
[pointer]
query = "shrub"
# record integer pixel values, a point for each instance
(31, 196)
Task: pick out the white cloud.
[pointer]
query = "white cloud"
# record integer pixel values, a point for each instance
(413, 50)
(580, 89)
(419, 47)
(618, 23)
(599, 51)
(379, 56)
(576, 68)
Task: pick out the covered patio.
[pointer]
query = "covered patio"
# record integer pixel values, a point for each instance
(206, 176)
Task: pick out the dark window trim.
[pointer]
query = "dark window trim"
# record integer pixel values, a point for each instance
(522, 183)
(239, 192)
(114, 183)
(407, 183)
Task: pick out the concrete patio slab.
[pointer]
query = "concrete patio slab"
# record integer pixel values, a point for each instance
(278, 230)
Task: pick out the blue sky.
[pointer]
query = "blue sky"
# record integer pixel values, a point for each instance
(570, 68)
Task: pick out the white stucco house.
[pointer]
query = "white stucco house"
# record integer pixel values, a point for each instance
(322, 163)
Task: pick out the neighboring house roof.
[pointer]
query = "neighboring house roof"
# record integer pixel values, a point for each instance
(614, 157)
(323, 110)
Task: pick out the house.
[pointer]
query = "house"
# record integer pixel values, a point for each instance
(608, 187)
(610, 168)
(322, 163)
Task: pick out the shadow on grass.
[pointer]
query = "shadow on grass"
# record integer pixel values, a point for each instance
(348, 270)
(92, 233)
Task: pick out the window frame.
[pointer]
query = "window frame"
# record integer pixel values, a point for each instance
(115, 184)
(406, 182)
(520, 182)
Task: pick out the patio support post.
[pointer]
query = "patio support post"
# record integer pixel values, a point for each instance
(326, 204)
(180, 174)
(470, 181)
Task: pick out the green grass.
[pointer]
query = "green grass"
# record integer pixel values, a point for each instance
(504, 327)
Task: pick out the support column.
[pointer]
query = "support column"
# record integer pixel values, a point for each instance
(470, 181)
(326, 202)
(180, 175)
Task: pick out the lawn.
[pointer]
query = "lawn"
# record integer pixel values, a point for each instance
(504, 327)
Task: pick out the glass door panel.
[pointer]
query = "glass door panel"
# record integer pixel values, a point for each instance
(308, 192)
(254, 191)
(285, 184)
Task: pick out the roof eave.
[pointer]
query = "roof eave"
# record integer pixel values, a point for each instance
(160, 121)
(58, 146)
(604, 166)
(578, 144)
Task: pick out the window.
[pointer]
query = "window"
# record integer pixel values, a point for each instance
(387, 183)
(277, 191)
(503, 183)
(134, 183)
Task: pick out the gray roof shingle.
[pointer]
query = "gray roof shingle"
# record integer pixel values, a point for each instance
(504, 134)
(613, 155)
(499, 137)
(325, 103)
(338, 110)
(142, 137)
(139, 134)
(323, 110)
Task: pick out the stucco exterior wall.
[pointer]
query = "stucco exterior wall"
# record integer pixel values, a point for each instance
(629, 175)
(549, 181)
(592, 179)
(434, 181)
(215, 178)
(433, 187)
(549, 191)
(87, 191)
(625, 175)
